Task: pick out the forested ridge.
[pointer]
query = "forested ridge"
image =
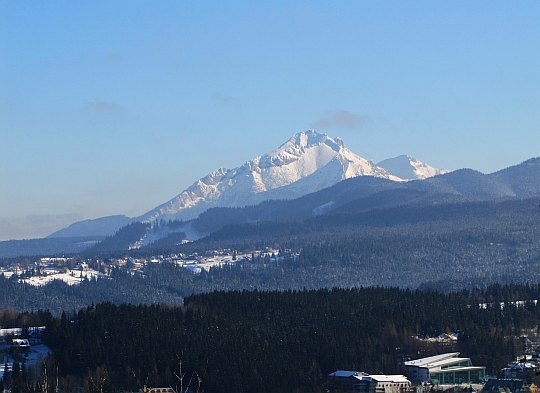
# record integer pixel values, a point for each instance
(282, 341)
(417, 256)
(445, 248)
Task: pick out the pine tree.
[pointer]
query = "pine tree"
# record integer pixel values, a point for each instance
(16, 382)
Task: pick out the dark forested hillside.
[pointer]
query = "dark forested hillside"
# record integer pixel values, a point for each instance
(284, 341)
(485, 216)
(363, 194)
(121, 240)
(471, 245)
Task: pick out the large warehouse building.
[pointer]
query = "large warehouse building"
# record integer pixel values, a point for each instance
(444, 369)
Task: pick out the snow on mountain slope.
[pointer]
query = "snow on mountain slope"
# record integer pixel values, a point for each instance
(409, 168)
(306, 163)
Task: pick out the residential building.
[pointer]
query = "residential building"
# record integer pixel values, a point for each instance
(20, 343)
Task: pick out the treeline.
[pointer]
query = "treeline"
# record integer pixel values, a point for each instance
(280, 341)
(57, 296)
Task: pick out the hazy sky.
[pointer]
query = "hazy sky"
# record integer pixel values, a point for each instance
(111, 107)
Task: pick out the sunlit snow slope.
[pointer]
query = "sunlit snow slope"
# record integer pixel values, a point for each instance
(409, 168)
(306, 163)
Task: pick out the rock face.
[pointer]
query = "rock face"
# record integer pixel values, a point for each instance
(409, 168)
(306, 163)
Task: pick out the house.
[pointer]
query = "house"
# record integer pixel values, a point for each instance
(157, 390)
(447, 338)
(357, 381)
(503, 386)
(444, 369)
(525, 367)
(20, 343)
(345, 380)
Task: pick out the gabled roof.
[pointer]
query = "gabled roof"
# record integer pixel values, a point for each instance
(345, 373)
(426, 362)
(360, 376)
(448, 362)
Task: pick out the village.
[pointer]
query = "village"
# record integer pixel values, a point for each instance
(74, 270)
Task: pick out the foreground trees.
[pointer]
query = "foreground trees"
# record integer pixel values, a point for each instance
(273, 341)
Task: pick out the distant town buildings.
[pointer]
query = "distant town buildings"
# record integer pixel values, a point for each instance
(74, 271)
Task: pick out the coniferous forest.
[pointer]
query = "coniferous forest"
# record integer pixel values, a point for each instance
(255, 341)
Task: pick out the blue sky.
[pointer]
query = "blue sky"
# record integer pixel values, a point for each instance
(115, 107)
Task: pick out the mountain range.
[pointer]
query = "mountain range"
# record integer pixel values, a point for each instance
(306, 163)
(310, 175)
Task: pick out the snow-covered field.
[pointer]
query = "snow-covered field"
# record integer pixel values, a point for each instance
(70, 277)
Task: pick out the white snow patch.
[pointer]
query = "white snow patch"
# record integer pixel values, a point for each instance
(409, 168)
(323, 208)
(70, 277)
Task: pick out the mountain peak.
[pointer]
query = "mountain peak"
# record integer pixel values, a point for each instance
(307, 162)
(305, 139)
(409, 168)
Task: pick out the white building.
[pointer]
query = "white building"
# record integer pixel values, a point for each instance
(20, 343)
(445, 369)
(367, 383)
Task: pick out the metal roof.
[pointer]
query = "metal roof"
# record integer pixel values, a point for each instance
(345, 373)
(426, 362)
(445, 362)
(363, 376)
(389, 378)
(457, 369)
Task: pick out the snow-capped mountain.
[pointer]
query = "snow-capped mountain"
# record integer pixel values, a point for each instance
(306, 163)
(409, 168)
